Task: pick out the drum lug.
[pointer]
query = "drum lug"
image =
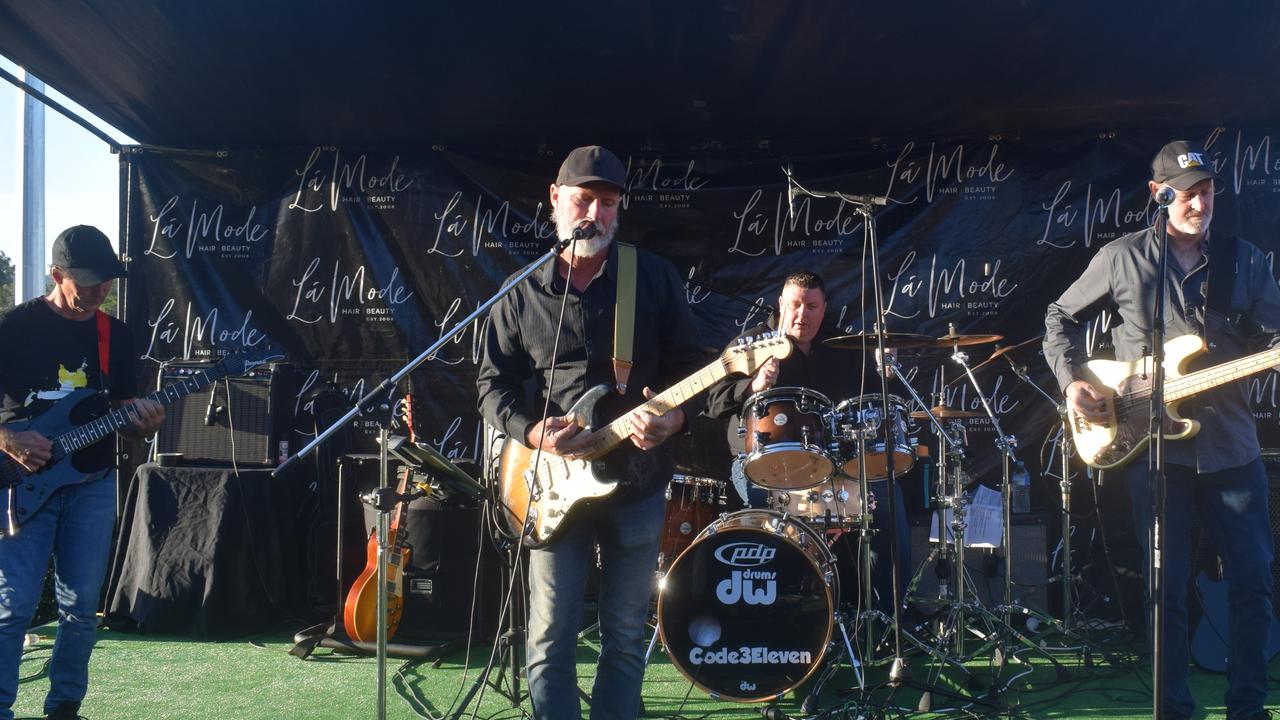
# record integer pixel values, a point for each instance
(742, 430)
(762, 437)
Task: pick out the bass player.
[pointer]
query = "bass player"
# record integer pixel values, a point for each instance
(1217, 473)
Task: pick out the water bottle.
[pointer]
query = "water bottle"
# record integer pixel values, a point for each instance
(1020, 487)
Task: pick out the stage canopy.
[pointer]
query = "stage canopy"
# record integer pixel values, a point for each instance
(681, 75)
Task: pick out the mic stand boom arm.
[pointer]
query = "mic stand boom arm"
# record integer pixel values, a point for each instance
(383, 389)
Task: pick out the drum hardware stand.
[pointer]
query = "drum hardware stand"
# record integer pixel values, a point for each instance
(1064, 486)
(1005, 611)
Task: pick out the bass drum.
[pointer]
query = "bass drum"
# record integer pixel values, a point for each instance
(746, 612)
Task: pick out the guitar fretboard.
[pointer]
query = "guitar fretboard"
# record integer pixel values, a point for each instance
(1201, 380)
(91, 432)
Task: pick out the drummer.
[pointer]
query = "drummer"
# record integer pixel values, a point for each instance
(837, 374)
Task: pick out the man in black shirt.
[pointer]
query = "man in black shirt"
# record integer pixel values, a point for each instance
(1218, 473)
(837, 374)
(528, 348)
(52, 346)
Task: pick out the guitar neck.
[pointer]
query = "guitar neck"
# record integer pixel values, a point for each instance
(613, 434)
(99, 428)
(1197, 382)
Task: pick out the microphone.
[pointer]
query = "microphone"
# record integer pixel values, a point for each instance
(213, 410)
(585, 231)
(865, 199)
(1165, 196)
(792, 191)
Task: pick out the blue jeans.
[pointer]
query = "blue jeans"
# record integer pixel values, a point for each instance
(1232, 506)
(75, 527)
(628, 534)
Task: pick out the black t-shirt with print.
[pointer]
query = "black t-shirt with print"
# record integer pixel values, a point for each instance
(44, 356)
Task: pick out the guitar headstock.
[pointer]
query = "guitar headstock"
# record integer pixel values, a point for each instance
(747, 356)
(239, 363)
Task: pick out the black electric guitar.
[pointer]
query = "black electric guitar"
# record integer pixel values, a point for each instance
(537, 501)
(1123, 434)
(25, 493)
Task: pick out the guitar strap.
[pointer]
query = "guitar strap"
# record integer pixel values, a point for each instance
(624, 318)
(104, 348)
(1222, 272)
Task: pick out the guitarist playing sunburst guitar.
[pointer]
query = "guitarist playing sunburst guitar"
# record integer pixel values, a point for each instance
(525, 367)
(1221, 297)
(50, 347)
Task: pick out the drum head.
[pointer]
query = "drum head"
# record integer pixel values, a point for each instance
(745, 613)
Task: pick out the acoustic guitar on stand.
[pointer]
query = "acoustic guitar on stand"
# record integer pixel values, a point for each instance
(1127, 385)
(536, 501)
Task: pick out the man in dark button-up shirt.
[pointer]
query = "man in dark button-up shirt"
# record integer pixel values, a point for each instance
(523, 366)
(1218, 473)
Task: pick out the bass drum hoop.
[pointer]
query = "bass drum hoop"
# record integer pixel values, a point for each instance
(736, 521)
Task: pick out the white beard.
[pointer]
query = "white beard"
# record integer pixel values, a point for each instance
(585, 248)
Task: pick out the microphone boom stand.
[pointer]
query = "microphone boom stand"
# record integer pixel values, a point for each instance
(383, 390)
(1155, 469)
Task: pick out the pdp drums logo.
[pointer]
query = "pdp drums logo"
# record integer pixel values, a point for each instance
(753, 587)
(745, 555)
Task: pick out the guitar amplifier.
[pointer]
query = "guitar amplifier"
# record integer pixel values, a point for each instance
(245, 420)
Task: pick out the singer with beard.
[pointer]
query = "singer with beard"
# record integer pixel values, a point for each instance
(1217, 474)
(525, 367)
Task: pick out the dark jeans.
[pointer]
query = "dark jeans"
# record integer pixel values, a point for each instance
(1232, 507)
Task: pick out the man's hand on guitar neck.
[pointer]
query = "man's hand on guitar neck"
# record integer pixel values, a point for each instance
(29, 448)
(558, 435)
(648, 429)
(1086, 401)
(147, 415)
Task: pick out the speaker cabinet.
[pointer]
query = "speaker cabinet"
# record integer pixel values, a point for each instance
(243, 419)
(986, 565)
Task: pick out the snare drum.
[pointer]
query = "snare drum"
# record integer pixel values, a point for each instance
(787, 438)
(692, 503)
(746, 612)
(836, 501)
(866, 411)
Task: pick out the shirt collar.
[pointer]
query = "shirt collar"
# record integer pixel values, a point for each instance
(548, 276)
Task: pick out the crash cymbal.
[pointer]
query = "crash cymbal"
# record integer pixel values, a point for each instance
(1031, 346)
(942, 412)
(867, 341)
(953, 338)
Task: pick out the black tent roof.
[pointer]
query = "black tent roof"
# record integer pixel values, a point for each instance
(754, 73)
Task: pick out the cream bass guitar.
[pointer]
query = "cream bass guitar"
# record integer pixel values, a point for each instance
(1124, 434)
(537, 500)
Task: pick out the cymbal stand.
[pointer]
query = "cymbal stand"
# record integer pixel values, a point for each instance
(1006, 445)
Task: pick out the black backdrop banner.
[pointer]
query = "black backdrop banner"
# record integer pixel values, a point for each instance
(355, 259)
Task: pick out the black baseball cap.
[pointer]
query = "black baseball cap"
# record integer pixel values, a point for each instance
(592, 164)
(85, 253)
(1181, 164)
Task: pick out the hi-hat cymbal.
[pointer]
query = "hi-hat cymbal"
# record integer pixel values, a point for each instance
(942, 412)
(867, 342)
(953, 338)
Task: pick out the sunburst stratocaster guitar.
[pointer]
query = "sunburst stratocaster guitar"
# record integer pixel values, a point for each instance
(1124, 434)
(538, 500)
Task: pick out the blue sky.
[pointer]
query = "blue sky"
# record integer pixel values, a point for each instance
(81, 173)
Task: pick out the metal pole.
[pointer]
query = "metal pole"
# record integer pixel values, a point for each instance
(29, 265)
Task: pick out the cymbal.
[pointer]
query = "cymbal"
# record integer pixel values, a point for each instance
(1018, 349)
(953, 338)
(942, 412)
(867, 341)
